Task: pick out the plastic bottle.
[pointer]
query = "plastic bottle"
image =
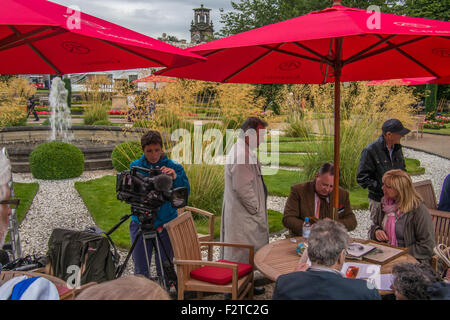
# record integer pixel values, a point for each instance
(306, 228)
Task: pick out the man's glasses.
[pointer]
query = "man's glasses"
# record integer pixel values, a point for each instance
(13, 203)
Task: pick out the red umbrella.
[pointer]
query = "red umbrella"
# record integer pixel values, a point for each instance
(41, 37)
(401, 82)
(154, 78)
(332, 45)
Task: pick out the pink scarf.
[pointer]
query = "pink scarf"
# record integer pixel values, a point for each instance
(391, 212)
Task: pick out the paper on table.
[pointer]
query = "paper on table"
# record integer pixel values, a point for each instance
(386, 282)
(371, 273)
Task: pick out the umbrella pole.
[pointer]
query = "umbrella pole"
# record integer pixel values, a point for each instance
(337, 123)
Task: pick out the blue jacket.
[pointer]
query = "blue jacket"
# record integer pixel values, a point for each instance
(444, 200)
(166, 212)
(321, 285)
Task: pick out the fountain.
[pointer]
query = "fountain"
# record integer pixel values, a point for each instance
(96, 142)
(60, 120)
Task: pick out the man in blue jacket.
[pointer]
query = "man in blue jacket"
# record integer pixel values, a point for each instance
(152, 157)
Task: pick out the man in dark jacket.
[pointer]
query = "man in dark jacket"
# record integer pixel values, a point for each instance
(327, 245)
(377, 158)
(314, 199)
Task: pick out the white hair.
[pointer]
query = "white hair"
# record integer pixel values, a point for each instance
(5, 175)
(5, 169)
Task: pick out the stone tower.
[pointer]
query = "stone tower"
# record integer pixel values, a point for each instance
(201, 26)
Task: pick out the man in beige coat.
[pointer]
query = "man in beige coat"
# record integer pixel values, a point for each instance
(244, 209)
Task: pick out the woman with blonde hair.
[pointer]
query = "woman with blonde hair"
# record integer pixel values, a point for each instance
(403, 219)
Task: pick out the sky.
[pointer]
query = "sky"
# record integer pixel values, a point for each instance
(151, 17)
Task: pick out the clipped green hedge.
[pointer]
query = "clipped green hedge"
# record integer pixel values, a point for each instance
(125, 153)
(103, 123)
(56, 160)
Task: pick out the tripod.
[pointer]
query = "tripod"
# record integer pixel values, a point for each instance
(147, 232)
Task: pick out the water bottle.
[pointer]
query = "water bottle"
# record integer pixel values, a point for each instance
(306, 229)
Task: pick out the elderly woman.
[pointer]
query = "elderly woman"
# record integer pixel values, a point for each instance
(403, 220)
(417, 281)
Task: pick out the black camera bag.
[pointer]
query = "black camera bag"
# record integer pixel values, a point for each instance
(88, 250)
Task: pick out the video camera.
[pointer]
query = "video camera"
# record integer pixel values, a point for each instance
(147, 194)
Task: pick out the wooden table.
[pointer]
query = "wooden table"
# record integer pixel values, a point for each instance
(280, 257)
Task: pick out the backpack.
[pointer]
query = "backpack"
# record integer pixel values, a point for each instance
(81, 252)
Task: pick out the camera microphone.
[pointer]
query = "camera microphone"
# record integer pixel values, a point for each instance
(162, 183)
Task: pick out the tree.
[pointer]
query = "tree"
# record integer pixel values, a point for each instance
(431, 99)
(430, 9)
(250, 14)
(166, 38)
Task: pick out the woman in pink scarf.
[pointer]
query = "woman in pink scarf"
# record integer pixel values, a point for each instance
(403, 219)
(391, 214)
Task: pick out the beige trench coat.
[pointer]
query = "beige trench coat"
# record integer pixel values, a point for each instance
(244, 209)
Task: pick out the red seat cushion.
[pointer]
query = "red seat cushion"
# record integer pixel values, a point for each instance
(220, 275)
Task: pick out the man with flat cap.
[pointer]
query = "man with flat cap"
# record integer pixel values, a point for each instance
(377, 158)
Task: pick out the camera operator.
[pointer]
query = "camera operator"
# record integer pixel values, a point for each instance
(152, 157)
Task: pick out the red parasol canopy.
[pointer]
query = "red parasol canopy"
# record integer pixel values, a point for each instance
(332, 45)
(41, 37)
(154, 78)
(401, 82)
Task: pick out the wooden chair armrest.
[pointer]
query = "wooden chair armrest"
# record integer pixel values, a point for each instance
(237, 245)
(196, 210)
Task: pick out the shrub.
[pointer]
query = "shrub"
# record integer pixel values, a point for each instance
(297, 127)
(56, 160)
(125, 153)
(12, 116)
(207, 186)
(46, 122)
(97, 112)
(103, 123)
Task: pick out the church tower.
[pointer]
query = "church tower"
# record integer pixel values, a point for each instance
(201, 26)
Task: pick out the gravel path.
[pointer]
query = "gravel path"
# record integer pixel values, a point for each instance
(57, 204)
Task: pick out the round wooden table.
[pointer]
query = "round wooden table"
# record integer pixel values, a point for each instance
(280, 257)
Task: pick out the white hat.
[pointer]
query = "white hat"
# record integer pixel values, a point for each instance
(5, 169)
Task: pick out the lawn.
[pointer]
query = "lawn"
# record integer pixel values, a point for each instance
(445, 130)
(99, 195)
(285, 159)
(413, 167)
(295, 146)
(25, 192)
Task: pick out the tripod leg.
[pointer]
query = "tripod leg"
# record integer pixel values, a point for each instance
(168, 264)
(162, 277)
(122, 267)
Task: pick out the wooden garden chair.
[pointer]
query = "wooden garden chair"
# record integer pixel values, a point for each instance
(441, 219)
(65, 293)
(441, 222)
(426, 191)
(418, 126)
(203, 237)
(187, 258)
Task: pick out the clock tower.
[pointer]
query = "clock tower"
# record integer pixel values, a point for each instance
(202, 26)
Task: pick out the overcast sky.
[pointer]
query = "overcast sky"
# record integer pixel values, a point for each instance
(151, 17)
